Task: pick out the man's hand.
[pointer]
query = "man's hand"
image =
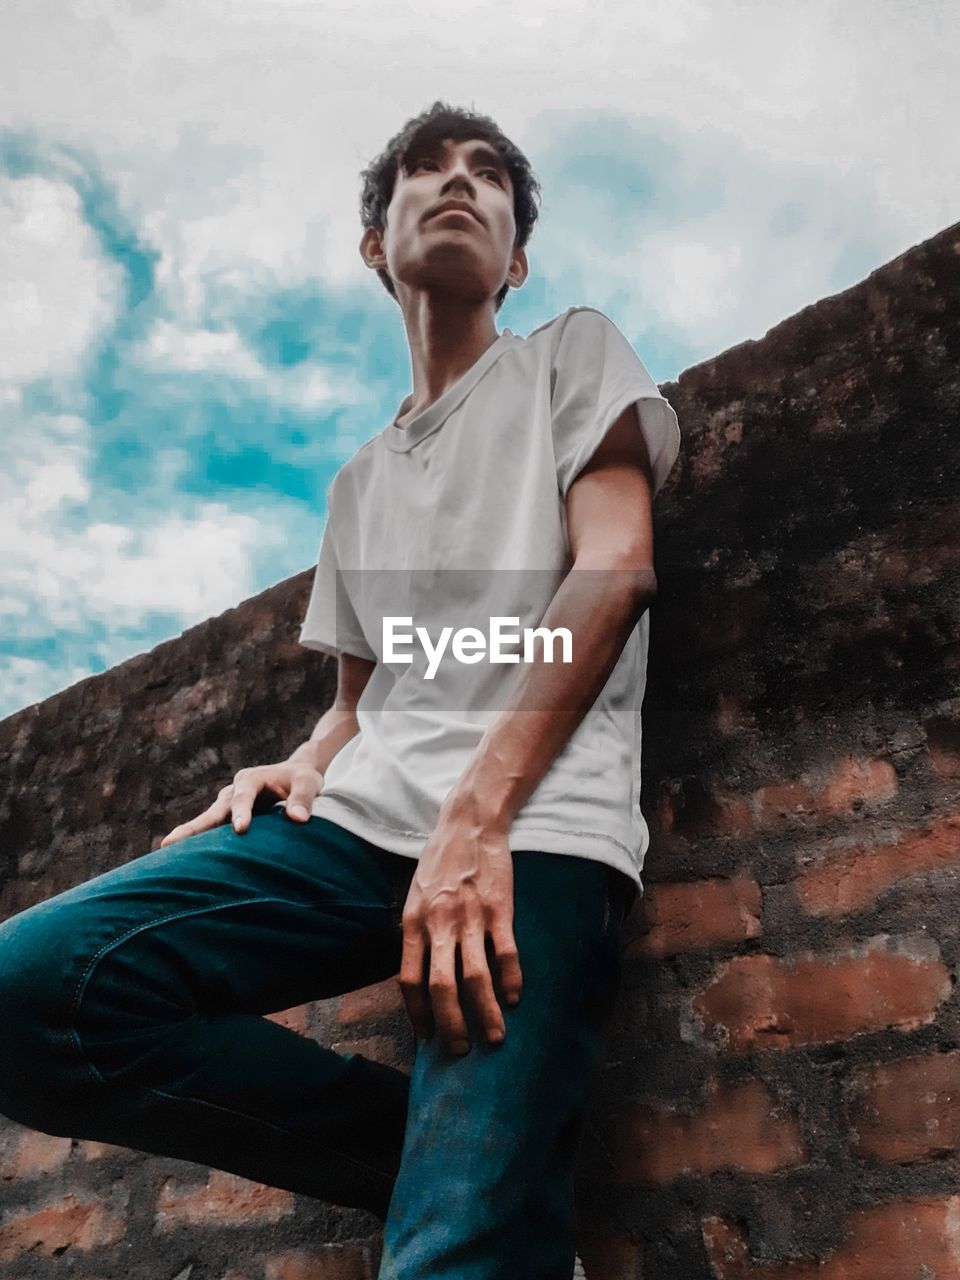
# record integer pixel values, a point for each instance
(295, 781)
(461, 891)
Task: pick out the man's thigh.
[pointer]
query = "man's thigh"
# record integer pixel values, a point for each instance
(487, 1173)
(219, 922)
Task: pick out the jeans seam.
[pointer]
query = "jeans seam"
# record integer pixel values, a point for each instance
(153, 924)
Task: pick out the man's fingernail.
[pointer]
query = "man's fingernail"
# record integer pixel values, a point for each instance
(513, 998)
(298, 809)
(460, 1046)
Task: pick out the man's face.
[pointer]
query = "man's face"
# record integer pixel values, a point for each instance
(466, 254)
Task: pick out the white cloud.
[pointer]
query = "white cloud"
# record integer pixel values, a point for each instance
(58, 292)
(238, 132)
(58, 573)
(222, 353)
(200, 350)
(194, 567)
(30, 680)
(54, 483)
(96, 584)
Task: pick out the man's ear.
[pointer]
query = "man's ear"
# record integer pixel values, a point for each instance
(519, 269)
(372, 250)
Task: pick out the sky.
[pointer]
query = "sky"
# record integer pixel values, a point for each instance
(190, 343)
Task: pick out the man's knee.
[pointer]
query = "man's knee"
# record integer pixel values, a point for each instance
(41, 1080)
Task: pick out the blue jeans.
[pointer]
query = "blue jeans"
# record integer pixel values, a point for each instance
(133, 1005)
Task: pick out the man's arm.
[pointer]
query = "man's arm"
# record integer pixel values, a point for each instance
(338, 724)
(299, 778)
(463, 884)
(610, 525)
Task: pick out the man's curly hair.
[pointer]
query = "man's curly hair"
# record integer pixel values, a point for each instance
(430, 127)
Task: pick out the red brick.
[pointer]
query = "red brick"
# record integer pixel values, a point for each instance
(943, 745)
(224, 1200)
(66, 1223)
(698, 914)
(350, 1261)
(765, 1002)
(27, 1153)
(853, 784)
(381, 1000)
(383, 1049)
(899, 1240)
(734, 815)
(716, 813)
(710, 811)
(298, 1019)
(857, 876)
(908, 1110)
(857, 782)
(741, 1127)
(782, 802)
(90, 1150)
(733, 713)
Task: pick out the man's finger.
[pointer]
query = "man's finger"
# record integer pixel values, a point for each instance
(242, 806)
(302, 795)
(212, 817)
(444, 995)
(509, 973)
(172, 837)
(479, 984)
(412, 981)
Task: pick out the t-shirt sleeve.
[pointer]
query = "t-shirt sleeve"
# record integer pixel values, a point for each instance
(595, 375)
(331, 624)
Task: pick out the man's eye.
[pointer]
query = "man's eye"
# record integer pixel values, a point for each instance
(416, 164)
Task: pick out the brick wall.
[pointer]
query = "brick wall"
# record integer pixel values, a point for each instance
(780, 1095)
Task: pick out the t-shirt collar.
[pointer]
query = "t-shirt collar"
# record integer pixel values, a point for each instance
(400, 439)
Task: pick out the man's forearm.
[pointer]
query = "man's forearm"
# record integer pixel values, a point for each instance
(334, 730)
(600, 608)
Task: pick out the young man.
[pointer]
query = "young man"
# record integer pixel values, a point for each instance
(475, 826)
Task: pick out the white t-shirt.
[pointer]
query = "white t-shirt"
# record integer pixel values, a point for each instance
(474, 486)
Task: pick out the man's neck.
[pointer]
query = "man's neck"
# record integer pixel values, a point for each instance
(444, 344)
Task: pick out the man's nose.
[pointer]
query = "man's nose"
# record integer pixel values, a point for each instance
(460, 177)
